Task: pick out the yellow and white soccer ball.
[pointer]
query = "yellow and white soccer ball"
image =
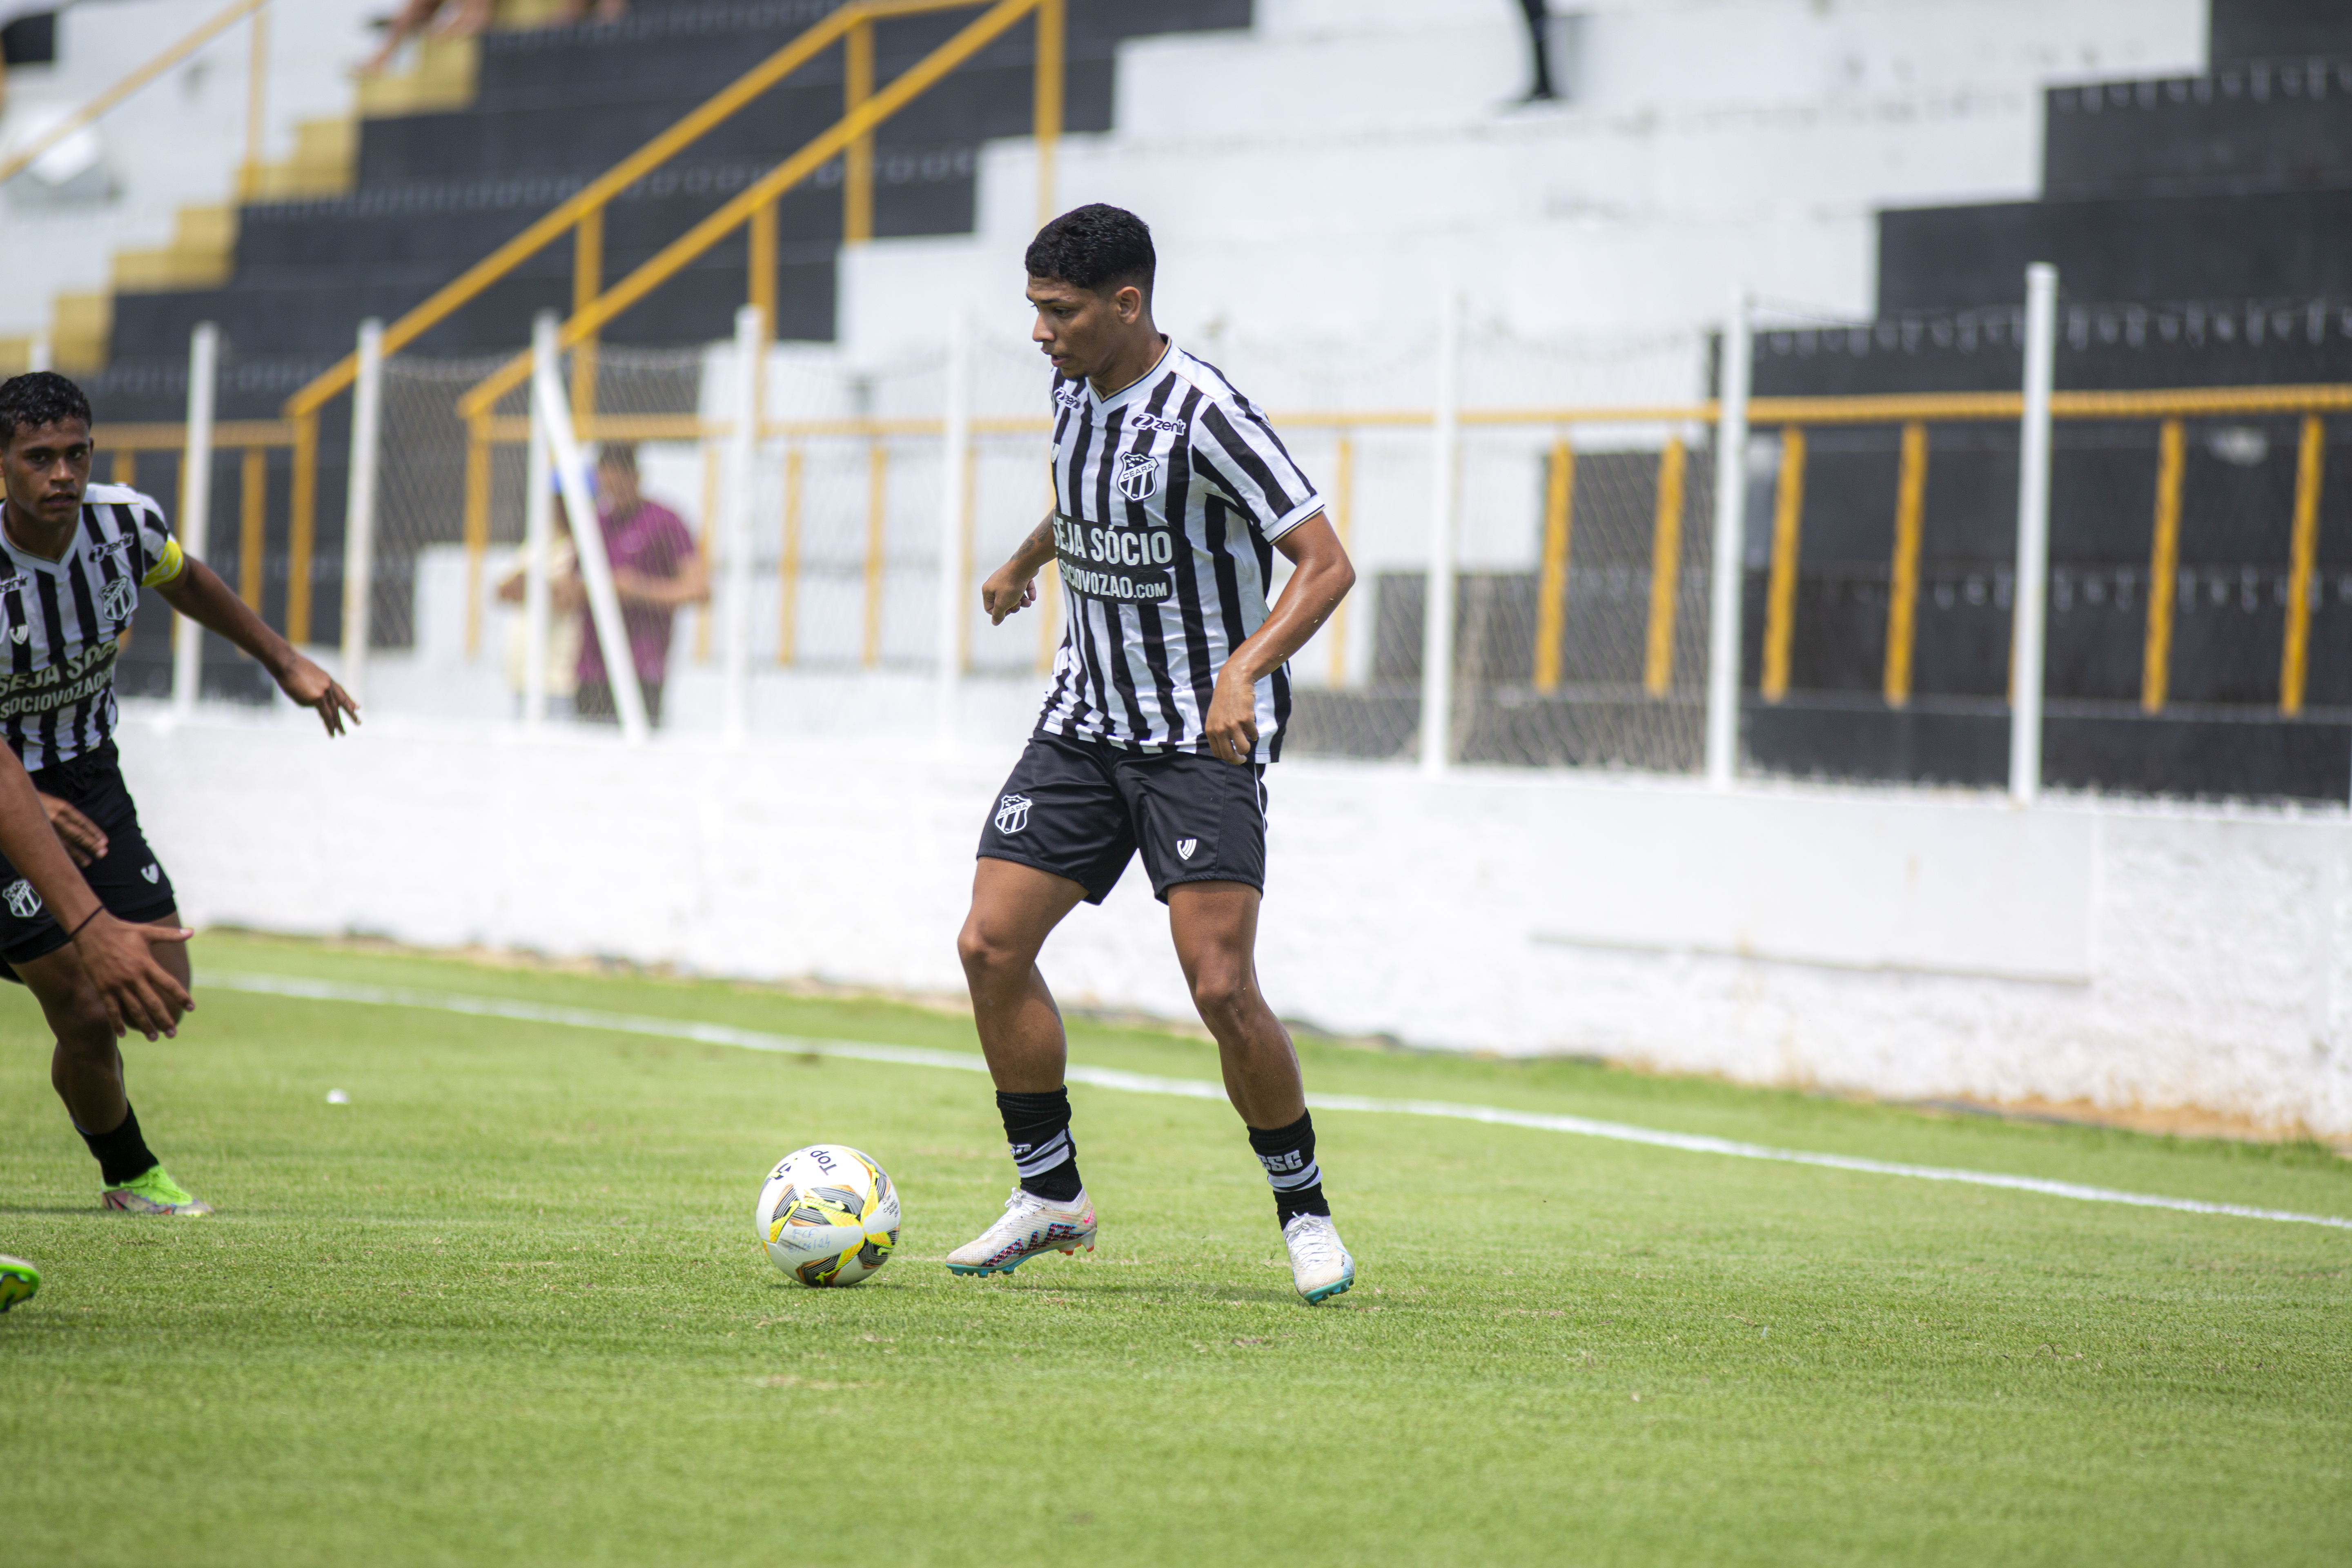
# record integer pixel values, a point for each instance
(829, 1215)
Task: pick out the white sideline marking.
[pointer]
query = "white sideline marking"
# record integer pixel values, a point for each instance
(1196, 1089)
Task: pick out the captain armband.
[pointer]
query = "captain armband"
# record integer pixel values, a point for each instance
(168, 566)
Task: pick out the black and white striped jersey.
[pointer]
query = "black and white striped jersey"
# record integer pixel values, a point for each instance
(1168, 498)
(61, 623)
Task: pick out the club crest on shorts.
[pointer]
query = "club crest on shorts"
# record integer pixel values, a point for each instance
(23, 902)
(117, 599)
(1139, 475)
(1184, 847)
(1012, 814)
(152, 873)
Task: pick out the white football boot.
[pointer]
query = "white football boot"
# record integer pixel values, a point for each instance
(1029, 1225)
(1319, 1264)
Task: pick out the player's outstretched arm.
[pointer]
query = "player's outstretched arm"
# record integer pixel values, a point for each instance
(1323, 577)
(1014, 585)
(138, 993)
(198, 594)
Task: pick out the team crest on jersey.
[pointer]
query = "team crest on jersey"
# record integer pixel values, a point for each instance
(117, 599)
(23, 902)
(1139, 475)
(1012, 814)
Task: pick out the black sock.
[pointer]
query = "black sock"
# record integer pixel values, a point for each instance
(1037, 1126)
(1288, 1155)
(122, 1154)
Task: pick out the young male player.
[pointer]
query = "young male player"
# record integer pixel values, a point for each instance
(75, 557)
(1172, 494)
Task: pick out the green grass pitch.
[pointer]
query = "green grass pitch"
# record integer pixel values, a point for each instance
(506, 1307)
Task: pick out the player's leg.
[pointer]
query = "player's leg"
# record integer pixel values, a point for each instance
(1215, 928)
(86, 1069)
(1013, 908)
(1201, 825)
(1058, 835)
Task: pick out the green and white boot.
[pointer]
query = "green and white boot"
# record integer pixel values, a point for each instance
(155, 1193)
(18, 1280)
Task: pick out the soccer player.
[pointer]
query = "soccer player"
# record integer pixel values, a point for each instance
(1172, 494)
(77, 555)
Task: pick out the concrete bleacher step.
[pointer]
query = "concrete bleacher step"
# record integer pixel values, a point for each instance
(2271, 126)
(466, 149)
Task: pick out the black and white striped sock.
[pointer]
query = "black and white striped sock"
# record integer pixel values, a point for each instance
(1037, 1129)
(1288, 1155)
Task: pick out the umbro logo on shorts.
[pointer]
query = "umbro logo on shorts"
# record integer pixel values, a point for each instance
(152, 873)
(1184, 847)
(1012, 814)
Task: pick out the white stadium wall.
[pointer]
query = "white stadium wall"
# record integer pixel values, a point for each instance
(1910, 944)
(175, 144)
(1315, 181)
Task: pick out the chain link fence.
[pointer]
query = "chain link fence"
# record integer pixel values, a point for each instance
(1583, 541)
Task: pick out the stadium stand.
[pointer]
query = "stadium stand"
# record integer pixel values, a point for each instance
(547, 108)
(2198, 226)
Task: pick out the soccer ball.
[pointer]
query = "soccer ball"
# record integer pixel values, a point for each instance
(829, 1215)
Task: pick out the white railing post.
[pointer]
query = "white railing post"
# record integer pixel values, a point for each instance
(2032, 534)
(195, 507)
(955, 449)
(538, 539)
(359, 508)
(742, 453)
(547, 396)
(1726, 569)
(37, 357)
(1446, 488)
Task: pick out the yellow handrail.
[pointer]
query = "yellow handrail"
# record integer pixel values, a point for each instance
(682, 251)
(195, 38)
(582, 214)
(594, 195)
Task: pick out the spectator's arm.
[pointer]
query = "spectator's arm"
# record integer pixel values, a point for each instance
(689, 585)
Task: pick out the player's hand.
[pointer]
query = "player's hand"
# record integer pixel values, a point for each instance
(1005, 592)
(83, 839)
(314, 688)
(1231, 725)
(139, 993)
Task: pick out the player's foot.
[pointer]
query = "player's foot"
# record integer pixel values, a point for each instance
(1319, 1264)
(1029, 1225)
(155, 1193)
(18, 1280)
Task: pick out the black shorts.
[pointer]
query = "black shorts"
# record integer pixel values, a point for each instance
(1081, 809)
(129, 880)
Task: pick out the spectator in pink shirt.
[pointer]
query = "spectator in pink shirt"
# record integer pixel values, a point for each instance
(655, 571)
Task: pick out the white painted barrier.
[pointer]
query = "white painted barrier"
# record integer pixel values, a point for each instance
(1912, 944)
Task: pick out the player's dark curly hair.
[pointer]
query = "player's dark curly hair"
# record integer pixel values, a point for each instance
(1099, 249)
(43, 397)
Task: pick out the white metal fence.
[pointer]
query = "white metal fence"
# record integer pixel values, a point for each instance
(1549, 538)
